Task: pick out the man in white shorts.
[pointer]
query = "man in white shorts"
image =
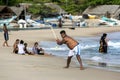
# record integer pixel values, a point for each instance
(74, 47)
(75, 51)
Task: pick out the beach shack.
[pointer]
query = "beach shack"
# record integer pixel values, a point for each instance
(5, 12)
(6, 15)
(18, 11)
(8, 12)
(104, 10)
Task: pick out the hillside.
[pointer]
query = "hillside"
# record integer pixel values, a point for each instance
(70, 6)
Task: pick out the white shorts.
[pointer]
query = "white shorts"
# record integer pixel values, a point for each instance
(75, 51)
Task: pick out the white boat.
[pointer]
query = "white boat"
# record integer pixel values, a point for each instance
(35, 24)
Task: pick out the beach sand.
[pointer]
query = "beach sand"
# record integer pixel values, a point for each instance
(27, 67)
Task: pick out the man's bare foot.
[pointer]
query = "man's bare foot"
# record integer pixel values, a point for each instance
(66, 67)
(8, 46)
(81, 68)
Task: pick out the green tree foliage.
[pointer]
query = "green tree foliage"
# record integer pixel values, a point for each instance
(35, 9)
(72, 6)
(41, 9)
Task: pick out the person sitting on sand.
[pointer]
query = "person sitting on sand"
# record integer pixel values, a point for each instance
(21, 48)
(74, 47)
(15, 46)
(26, 50)
(37, 50)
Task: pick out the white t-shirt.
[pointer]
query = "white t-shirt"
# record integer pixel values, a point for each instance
(21, 49)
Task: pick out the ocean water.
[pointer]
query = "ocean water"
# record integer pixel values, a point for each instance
(89, 51)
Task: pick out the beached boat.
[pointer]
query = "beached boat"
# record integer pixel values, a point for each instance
(7, 21)
(109, 21)
(36, 24)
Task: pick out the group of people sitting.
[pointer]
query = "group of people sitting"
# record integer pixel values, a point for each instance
(20, 47)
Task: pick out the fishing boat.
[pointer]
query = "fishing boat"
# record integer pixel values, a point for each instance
(7, 21)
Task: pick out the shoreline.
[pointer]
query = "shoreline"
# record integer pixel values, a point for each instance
(22, 67)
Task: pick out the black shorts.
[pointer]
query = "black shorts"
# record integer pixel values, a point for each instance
(6, 36)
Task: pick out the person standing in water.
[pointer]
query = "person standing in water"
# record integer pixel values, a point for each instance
(6, 36)
(103, 44)
(74, 47)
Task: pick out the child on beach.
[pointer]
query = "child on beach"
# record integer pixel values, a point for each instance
(74, 47)
(15, 46)
(26, 50)
(37, 50)
(21, 48)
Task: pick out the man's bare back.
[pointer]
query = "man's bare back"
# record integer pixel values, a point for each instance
(70, 42)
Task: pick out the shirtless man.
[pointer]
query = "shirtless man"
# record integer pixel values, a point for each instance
(74, 47)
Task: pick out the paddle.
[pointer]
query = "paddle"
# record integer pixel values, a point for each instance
(53, 32)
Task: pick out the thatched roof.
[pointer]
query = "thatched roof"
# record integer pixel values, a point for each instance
(2, 7)
(102, 9)
(57, 7)
(17, 10)
(5, 9)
